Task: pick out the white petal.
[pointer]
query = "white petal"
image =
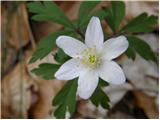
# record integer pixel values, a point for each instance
(69, 70)
(71, 46)
(87, 83)
(111, 72)
(114, 47)
(94, 34)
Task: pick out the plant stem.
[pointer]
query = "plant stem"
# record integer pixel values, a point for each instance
(80, 33)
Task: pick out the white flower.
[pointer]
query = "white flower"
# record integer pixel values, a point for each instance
(92, 59)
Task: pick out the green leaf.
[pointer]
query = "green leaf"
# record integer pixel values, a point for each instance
(100, 14)
(141, 23)
(118, 11)
(61, 57)
(130, 53)
(85, 9)
(103, 83)
(109, 18)
(46, 70)
(100, 98)
(66, 99)
(60, 112)
(48, 11)
(142, 48)
(46, 45)
(115, 15)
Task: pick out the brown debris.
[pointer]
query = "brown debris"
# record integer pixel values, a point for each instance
(147, 103)
(18, 27)
(25, 96)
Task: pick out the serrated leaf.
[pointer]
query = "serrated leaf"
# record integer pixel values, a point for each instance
(85, 9)
(141, 23)
(46, 70)
(61, 57)
(46, 45)
(49, 11)
(142, 48)
(100, 98)
(118, 11)
(69, 103)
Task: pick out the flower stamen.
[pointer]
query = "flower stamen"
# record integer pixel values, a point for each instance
(90, 57)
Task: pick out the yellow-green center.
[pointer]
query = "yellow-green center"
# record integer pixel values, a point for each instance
(90, 57)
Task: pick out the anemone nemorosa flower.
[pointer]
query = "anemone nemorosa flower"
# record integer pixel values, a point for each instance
(92, 60)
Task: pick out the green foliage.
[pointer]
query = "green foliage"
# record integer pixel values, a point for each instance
(46, 45)
(100, 98)
(86, 12)
(103, 83)
(141, 47)
(109, 18)
(130, 53)
(115, 15)
(46, 70)
(118, 11)
(141, 23)
(65, 100)
(100, 14)
(61, 57)
(48, 11)
(69, 92)
(85, 9)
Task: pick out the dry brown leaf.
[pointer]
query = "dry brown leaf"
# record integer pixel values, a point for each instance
(45, 94)
(8, 53)
(151, 7)
(16, 96)
(147, 103)
(18, 27)
(22, 93)
(15, 32)
(86, 110)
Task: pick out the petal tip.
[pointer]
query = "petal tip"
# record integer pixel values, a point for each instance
(60, 38)
(124, 41)
(94, 18)
(55, 75)
(58, 41)
(122, 81)
(85, 97)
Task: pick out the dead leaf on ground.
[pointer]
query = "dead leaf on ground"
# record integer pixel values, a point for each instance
(18, 31)
(147, 103)
(22, 93)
